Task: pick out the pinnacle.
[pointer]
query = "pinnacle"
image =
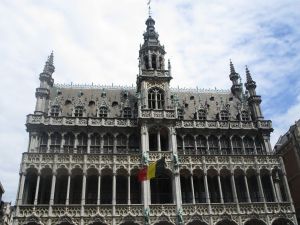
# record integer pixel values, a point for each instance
(50, 58)
(232, 70)
(248, 75)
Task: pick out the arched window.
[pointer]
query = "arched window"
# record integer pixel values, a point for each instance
(146, 62)
(134, 144)
(201, 145)
(259, 146)
(55, 142)
(180, 114)
(103, 112)
(121, 143)
(106, 187)
(249, 145)
(69, 143)
(245, 116)
(135, 188)
(201, 114)
(127, 112)
(91, 193)
(225, 147)
(61, 186)
(213, 145)
(156, 99)
(54, 111)
(45, 183)
(121, 187)
(78, 111)
(108, 146)
(161, 189)
(82, 143)
(225, 178)
(95, 143)
(189, 144)
(224, 115)
(237, 145)
(186, 188)
(30, 187)
(43, 142)
(179, 144)
(154, 65)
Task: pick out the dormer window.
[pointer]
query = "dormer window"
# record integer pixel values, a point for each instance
(202, 114)
(127, 112)
(78, 111)
(156, 99)
(54, 111)
(180, 114)
(245, 116)
(224, 116)
(103, 112)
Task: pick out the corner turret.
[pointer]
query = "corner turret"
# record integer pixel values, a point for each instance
(253, 99)
(237, 87)
(46, 81)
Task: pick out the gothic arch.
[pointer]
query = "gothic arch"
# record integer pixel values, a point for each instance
(254, 222)
(282, 221)
(226, 222)
(197, 222)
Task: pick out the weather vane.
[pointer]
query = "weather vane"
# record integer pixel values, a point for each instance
(149, 7)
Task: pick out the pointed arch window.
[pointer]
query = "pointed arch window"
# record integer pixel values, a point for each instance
(134, 143)
(259, 146)
(202, 114)
(103, 112)
(78, 111)
(225, 146)
(121, 143)
(54, 111)
(127, 112)
(189, 144)
(224, 115)
(201, 145)
(95, 143)
(43, 142)
(82, 143)
(213, 145)
(156, 99)
(55, 142)
(237, 145)
(245, 116)
(108, 146)
(69, 143)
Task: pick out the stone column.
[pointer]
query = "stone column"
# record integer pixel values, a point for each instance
(128, 190)
(192, 188)
(115, 144)
(21, 189)
(89, 144)
(277, 187)
(48, 142)
(220, 188)
(68, 189)
(114, 189)
(255, 151)
(83, 188)
(206, 188)
(37, 189)
(260, 187)
(158, 141)
(62, 143)
(101, 143)
(76, 143)
(51, 202)
(231, 147)
(235, 198)
(247, 189)
(273, 188)
(99, 189)
(243, 145)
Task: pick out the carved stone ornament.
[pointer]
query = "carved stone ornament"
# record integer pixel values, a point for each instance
(97, 219)
(195, 218)
(33, 219)
(129, 218)
(155, 84)
(225, 216)
(65, 219)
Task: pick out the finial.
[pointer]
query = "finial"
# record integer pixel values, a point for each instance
(49, 67)
(50, 58)
(149, 7)
(248, 75)
(232, 70)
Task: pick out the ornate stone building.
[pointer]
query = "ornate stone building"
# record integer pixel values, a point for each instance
(288, 146)
(87, 144)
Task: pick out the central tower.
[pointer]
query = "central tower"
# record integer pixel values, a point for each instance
(153, 78)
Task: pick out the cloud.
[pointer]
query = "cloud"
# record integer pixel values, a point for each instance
(98, 42)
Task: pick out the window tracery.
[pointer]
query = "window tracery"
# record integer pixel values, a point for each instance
(78, 111)
(103, 112)
(54, 111)
(156, 98)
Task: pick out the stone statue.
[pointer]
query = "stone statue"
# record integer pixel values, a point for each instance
(179, 216)
(147, 216)
(175, 160)
(145, 159)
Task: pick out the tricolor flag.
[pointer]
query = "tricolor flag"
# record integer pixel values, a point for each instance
(153, 170)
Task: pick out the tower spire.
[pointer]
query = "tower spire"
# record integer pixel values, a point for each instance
(236, 88)
(49, 66)
(248, 75)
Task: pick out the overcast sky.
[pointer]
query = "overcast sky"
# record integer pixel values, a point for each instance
(97, 41)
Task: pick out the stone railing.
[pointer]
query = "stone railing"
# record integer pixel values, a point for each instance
(158, 114)
(263, 124)
(72, 121)
(130, 161)
(155, 210)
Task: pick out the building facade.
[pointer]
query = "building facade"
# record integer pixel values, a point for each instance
(288, 147)
(5, 209)
(87, 144)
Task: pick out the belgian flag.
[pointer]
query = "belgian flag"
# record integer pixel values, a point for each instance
(153, 170)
